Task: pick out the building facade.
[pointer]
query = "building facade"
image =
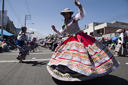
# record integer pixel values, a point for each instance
(105, 29)
(8, 24)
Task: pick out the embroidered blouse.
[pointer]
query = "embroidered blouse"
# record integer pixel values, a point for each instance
(22, 37)
(71, 26)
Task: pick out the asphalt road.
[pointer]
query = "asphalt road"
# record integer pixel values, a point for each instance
(33, 71)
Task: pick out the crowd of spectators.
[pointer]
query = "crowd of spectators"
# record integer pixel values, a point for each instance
(10, 44)
(51, 42)
(7, 44)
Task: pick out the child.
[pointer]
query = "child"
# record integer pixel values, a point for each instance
(23, 47)
(80, 57)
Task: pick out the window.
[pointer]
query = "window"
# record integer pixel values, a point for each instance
(102, 31)
(98, 31)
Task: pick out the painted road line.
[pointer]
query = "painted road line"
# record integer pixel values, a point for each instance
(33, 58)
(8, 61)
(12, 61)
(30, 53)
(42, 53)
(126, 63)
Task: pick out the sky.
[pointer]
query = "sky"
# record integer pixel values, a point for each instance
(45, 13)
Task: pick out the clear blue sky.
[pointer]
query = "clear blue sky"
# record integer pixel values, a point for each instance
(45, 13)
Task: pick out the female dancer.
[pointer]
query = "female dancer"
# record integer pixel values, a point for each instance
(80, 57)
(121, 49)
(23, 47)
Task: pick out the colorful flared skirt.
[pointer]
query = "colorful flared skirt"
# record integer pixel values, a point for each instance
(121, 49)
(81, 58)
(23, 51)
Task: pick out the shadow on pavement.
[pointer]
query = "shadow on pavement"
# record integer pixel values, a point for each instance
(123, 56)
(105, 80)
(36, 63)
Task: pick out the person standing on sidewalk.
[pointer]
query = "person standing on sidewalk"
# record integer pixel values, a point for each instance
(22, 45)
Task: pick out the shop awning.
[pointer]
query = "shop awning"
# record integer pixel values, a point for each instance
(5, 33)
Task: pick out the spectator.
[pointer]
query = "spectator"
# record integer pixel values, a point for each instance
(55, 44)
(1, 44)
(91, 34)
(5, 47)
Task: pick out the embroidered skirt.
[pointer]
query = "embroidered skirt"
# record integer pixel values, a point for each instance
(81, 58)
(23, 51)
(121, 50)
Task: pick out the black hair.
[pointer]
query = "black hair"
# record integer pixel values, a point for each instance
(22, 28)
(52, 38)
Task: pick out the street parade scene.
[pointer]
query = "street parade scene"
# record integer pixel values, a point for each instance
(66, 42)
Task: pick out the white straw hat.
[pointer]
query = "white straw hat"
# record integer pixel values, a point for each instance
(119, 30)
(67, 10)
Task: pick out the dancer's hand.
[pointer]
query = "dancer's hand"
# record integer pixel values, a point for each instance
(23, 33)
(32, 32)
(53, 27)
(77, 3)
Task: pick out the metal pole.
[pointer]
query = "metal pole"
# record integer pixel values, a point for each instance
(25, 21)
(2, 20)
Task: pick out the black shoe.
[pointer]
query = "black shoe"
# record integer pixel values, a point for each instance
(20, 61)
(17, 58)
(23, 62)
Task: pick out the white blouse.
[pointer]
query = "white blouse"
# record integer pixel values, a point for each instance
(23, 37)
(121, 36)
(71, 26)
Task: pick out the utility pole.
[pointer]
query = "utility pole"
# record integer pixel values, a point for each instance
(27, 17)
(2, 20)
(25, 21)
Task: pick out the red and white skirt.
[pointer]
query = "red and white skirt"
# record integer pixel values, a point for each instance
(81, 58)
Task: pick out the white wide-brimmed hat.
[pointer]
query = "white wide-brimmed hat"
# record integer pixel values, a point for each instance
(119, 30)
(67, 10)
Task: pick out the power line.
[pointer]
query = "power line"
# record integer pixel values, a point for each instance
(19, 19)
(28, 10)
(14, 12)
(27, 6)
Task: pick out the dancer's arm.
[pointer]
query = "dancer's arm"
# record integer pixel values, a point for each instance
(29, 33)
(58, 32)
(81, 13)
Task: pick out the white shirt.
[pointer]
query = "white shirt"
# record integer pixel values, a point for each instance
(122, 38)
(72, 26)
(22, 37)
